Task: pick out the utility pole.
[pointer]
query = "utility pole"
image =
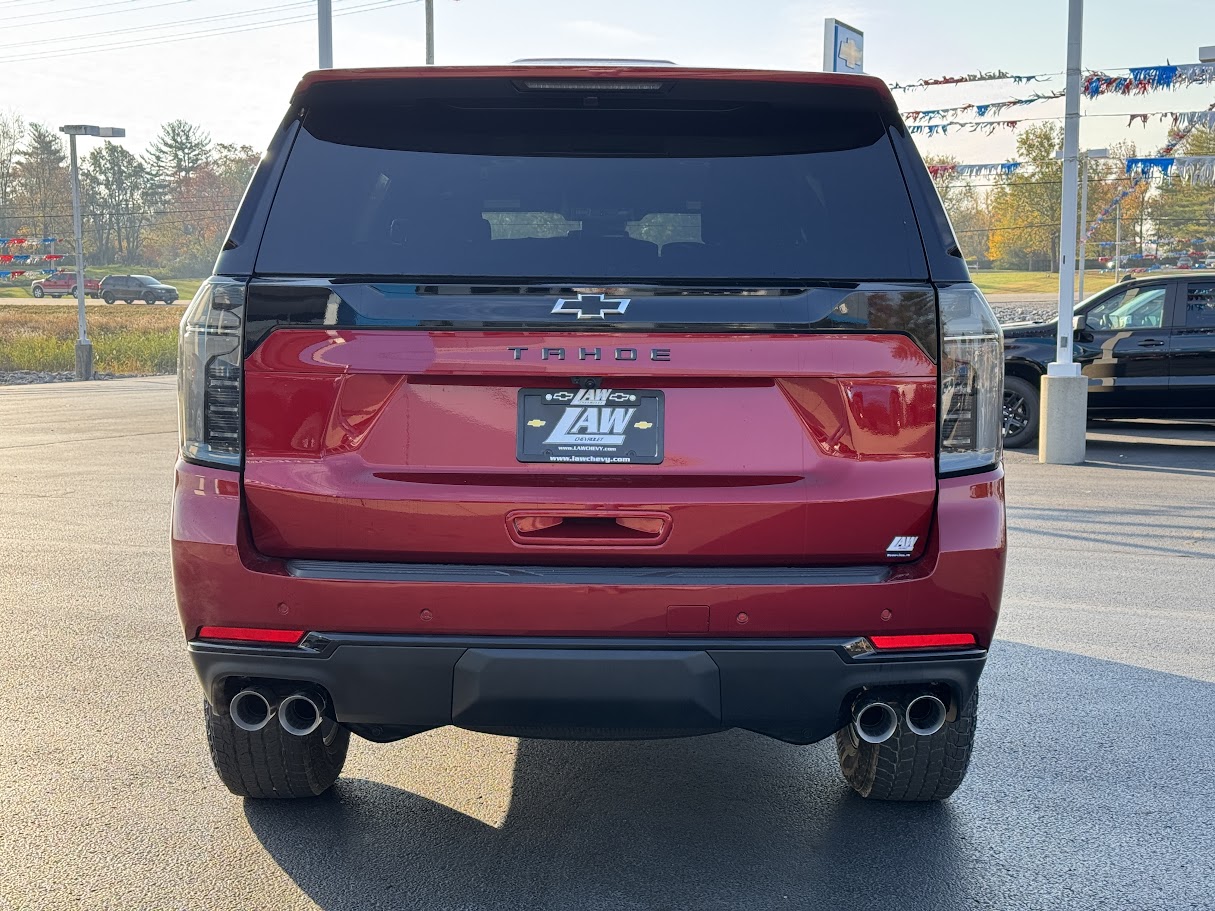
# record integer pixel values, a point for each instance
(324, 33)
(1118, 240)
(1064, 388)
(430, 32)
(1083, 257)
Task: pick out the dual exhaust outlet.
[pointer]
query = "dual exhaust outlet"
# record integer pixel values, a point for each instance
(876, 721)
(255, 707)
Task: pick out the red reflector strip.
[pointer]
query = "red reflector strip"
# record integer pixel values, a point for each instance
(251, 634)
(937, 640)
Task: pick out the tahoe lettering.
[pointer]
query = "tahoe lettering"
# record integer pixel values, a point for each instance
(591, 354)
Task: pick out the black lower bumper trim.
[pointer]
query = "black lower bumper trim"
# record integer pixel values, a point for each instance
(795, 690)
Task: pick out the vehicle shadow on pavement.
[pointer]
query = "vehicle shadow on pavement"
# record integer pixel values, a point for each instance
(1087, 781)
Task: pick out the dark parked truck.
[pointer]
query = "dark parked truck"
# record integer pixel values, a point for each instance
(590, 402)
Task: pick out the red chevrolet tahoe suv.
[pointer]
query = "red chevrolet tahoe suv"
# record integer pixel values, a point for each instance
(590, 402)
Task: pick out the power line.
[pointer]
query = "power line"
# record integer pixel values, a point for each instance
(208, 33)
(94, 15)
(92, 36)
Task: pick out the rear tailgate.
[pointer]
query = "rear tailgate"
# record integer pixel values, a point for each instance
(667, 320)
(773, 448)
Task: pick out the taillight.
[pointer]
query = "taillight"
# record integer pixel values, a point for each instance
(972, 382)
(209, 374)
(925, 640)
(251, 634)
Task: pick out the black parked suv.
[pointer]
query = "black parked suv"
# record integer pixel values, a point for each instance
(1147, 346)
(130, 288)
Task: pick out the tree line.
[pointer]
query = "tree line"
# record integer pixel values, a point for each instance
(166, 210)
(1011, 221)
(169, 208)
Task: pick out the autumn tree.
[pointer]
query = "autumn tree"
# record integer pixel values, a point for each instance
(118, 194)
(1026, 204)
(966, 204)
(42, 184)
(199, 210)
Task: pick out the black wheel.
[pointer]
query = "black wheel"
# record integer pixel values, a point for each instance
(271, 763)
(37, 291)
(1020, 412)
(149, 298)
(108, 297)
(909, 766)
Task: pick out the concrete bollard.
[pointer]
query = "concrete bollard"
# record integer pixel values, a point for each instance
(84, 360)
(1063, 425)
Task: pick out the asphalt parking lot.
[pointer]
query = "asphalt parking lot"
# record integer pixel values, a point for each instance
(1092, 785)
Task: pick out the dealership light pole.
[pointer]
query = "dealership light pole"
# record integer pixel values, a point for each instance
(1062, 425)
(84, 348)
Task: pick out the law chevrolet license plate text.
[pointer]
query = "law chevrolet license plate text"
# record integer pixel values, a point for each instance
(590, 425)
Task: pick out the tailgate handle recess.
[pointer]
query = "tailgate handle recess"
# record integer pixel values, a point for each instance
(589, 529)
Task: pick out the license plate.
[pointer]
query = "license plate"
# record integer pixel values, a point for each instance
(621, 426)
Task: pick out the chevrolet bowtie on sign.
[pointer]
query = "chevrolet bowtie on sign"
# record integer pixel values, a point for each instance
(590, 425)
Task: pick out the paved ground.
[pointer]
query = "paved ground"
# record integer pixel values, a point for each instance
(1093, 783)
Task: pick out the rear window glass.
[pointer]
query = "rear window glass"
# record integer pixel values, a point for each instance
(1200, 305)
(713, 198)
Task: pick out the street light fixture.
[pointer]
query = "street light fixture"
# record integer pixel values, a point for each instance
(84, 348)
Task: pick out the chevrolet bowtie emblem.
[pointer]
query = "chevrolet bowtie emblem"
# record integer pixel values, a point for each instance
(599, 306)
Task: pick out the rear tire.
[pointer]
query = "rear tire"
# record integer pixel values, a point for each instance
(1021, 412)
(271, 763)
(908, 766)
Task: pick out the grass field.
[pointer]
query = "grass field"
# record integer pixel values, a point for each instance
(1036, 282)
(126, 340)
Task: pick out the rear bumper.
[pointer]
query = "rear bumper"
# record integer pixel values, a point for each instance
(386, 687)
(585, 651)
(955, 587)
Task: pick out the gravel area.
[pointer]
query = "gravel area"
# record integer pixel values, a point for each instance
(1031, 313)
(29, 377)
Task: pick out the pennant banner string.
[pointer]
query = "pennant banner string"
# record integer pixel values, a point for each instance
(969, 77)
(1190, 168)
(1144, 79)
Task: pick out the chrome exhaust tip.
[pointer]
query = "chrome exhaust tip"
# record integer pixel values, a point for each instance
(300, 714)
(925, 715)
(252, 709)
(875, 722)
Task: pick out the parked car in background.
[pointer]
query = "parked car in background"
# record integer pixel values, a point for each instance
(130, 288)
(1184, 262)
(1147, 346)
(63, 283)
(1209, 262)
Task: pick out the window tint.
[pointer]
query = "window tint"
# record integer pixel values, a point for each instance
(759, 212)
(1200, 305)
(1139, 307)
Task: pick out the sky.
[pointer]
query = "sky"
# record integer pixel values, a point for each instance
(139, 63)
